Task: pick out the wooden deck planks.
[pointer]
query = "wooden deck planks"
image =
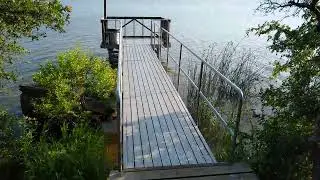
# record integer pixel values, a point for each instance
(181, 124)
(187, 155)
(220, 172)
(173, 144)
(137, 144)
(183, 109)
(158, 131)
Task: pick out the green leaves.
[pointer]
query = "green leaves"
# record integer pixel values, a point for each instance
(100, 80)
(74, 75)
(281, 149)
(77, 155)
(60, 143)
(27, 19)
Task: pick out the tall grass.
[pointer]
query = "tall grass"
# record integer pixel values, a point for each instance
(240, 66)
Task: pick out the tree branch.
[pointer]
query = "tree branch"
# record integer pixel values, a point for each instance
(269, 6)
(297, 4)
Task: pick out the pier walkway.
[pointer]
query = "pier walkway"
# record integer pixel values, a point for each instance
(158, 130)
(158, 137)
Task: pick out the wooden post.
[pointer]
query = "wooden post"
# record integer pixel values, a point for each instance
(105, 9)
(111, 144)
(104, 25)
(165, 24)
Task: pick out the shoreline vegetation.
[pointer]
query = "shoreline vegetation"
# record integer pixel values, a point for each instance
(61, 136)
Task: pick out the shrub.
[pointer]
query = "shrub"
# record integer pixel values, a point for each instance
(11, 166)
(74, 75)
(77, 155)
(59, 143)
(279, 150)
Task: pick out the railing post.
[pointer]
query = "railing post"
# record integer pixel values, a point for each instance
(104, 29)
(134, 27)
(160, 39)
(180, 57)
(125, 28)
(154, 36)
(198, 98)
(165, 24)
(105, 9)
(168, 50)
(151, 33)
(159, 45)
(142, 28)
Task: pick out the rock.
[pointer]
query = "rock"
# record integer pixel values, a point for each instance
(97, 106)
(29, 94)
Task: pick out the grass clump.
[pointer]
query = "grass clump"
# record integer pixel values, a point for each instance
(76, 155)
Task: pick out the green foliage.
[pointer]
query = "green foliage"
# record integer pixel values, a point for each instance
(26, 18)
(280, 148)
(74, 75)
(216, 135)
(238, 64)
(77, 155)
(59, 143)
(8, 141)
(10, 157)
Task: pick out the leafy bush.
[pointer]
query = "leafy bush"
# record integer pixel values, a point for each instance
(280, 150)
(10, 157)
(77, 155)
(74, 75)
(287, 145)
(59, 143)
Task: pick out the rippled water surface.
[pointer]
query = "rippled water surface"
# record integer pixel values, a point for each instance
(196, 22)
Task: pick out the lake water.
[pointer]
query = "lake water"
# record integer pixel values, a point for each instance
(196, 22)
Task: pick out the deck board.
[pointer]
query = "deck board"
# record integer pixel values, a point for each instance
(181, 123)
(187, 153)
(184, 112)
(158, 130)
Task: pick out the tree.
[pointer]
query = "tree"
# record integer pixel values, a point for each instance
(27, 19)
(297, 100)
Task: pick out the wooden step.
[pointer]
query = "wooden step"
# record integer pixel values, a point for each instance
(234, 171)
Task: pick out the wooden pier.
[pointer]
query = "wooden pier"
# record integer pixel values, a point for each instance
(158, 138)
(158, 130)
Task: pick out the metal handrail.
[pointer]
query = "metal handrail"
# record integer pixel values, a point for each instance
(240, 93)
(119, 90)
(133, 21)
(159, 35)
(214, 69)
